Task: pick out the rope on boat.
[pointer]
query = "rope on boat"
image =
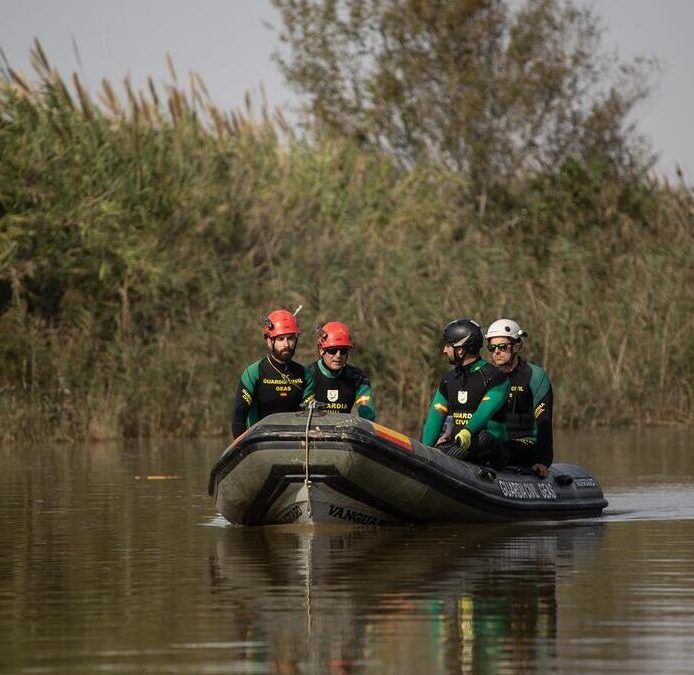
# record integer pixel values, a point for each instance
(307, 476)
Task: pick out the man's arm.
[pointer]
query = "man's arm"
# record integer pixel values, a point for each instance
(438, 409)
(364, 400)
(309, 385)
(543, 399)
(245, 391)
(491, 403)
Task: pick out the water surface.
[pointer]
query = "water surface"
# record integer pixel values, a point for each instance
(112, 559)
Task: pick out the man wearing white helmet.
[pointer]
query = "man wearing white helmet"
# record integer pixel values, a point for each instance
(529, 404)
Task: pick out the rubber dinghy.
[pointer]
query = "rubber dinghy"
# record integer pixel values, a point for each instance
(317, 467)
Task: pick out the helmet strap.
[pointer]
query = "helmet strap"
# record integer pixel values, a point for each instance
(459, 360)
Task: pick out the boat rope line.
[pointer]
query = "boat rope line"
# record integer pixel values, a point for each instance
(307, 476)
(309, 585)
(285, 376)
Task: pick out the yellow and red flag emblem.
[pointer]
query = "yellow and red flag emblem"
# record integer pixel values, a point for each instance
(393, 436)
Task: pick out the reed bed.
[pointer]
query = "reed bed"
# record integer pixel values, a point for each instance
(143, 234)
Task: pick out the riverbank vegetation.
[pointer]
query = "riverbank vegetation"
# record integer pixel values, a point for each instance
(141, 241)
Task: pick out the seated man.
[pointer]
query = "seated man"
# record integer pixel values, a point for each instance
(275, 383)
(338, 385)
(529, 404)
(472, 394)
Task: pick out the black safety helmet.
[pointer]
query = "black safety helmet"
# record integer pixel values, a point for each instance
(464, 333)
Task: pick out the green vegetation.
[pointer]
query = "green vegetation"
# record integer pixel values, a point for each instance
(491, 89)
(140, 244)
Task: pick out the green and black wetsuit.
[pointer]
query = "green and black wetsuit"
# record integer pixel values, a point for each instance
(269, 386)
(342, 390)
(474, 396)
(529, 416)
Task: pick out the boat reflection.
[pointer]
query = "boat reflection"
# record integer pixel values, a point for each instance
(440, 599)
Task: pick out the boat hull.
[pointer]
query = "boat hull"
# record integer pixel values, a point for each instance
(336, 468)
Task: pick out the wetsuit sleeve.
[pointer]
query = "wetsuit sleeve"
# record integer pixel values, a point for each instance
(245, 392)
(438, 409)
(493, 401)
(364, 400)
(543, 452)
(309, 385)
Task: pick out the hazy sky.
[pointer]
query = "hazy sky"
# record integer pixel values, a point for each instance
(229, 45)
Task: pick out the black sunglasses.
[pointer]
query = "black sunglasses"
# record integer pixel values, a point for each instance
(502, 347)
(334, 350)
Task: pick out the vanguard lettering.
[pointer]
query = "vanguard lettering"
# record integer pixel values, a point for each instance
(355, 516)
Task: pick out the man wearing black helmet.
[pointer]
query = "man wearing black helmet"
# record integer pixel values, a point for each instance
(470, 399)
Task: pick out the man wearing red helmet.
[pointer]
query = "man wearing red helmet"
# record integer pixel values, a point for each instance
(338, 385)
(275, 383)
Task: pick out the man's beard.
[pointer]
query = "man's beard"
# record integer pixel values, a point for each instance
(285, 357)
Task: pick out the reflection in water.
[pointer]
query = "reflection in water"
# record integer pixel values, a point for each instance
(437, 600)
(104, 572)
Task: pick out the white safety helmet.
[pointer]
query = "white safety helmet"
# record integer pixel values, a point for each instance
(505, 328)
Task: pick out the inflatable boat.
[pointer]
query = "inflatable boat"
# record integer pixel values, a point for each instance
(319, 467)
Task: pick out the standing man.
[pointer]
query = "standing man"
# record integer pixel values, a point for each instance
(339, 385)
(276, 383)
(529, 404)
(472, 395)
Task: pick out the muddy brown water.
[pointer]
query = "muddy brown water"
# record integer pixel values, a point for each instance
(112, 559)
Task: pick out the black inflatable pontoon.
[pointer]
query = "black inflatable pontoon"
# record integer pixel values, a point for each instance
(314, 467)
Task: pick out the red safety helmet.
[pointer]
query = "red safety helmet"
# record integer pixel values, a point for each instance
(280, 322)
(334, 334)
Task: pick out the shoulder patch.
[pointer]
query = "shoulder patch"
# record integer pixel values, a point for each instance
(539, 382)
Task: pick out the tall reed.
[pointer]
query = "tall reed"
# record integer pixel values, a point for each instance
(140, 242)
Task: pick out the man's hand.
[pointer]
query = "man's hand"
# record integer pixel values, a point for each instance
(541, 470)
(463, 439)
